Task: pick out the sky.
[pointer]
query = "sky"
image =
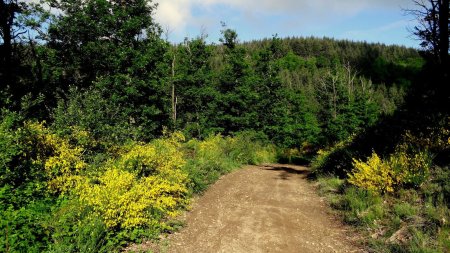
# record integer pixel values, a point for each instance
(381, 21)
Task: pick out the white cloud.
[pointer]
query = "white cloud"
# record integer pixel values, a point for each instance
(177, 15)
(174, 15)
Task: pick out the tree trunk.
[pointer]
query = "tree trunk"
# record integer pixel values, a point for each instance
(6, 20)
(443, 29)
(174, 98)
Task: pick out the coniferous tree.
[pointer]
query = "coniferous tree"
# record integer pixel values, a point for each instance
(196, 96)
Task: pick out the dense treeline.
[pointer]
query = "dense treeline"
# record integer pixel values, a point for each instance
(90, 94)
(123, 78)
(305, 94)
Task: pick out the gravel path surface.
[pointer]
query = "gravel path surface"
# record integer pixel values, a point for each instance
(271, 208)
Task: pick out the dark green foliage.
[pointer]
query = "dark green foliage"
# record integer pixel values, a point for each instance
(347, 104)
(23, 229)
(195, 94)
(237, 88)
(293, 122)
(88, 110)
(9, 149)
(114, 46)
(96, 38)
(76, 230)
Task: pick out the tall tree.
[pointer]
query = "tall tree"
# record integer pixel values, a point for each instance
(196, 95)
(10, 30)
(238, 92)
(114, 45)
(433, 27)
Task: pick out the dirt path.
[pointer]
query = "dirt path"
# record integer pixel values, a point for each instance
(268, 208)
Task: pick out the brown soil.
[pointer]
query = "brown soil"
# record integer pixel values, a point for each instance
(271, 208)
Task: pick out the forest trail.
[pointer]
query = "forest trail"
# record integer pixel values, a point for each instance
(271, 208)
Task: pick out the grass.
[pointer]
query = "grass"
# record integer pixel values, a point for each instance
(404, 210)
(410, 220)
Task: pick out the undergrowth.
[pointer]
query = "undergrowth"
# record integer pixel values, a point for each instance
(400, 200)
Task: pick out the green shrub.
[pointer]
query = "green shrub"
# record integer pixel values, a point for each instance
(75, 228)
(335, 160)
(420, 242)
(217, 155)
(10, 146)
(443, 239)
(23, 229)
(438, 187)
(250, 148)
(90, 111)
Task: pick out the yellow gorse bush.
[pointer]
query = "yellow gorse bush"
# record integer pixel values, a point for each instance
(265, 155)
(159, 156)
(400, 168)
(125, 201)
(436, 138)
(374, 175)
(244, 150)
(410, 167)
(144, 183)
(238, 149)
(211, 148)
(62, 161)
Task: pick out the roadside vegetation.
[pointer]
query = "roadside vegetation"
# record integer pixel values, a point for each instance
(72, 199)
(393, 184)
(398, 201)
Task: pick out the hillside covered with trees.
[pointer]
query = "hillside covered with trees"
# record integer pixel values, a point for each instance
(107, 129)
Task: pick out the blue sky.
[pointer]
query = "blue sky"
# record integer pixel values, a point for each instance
(361, 20)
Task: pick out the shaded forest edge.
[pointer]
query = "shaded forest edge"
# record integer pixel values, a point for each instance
(107, 130)
(391, 180)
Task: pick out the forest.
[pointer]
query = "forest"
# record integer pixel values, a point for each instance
(108, 130)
